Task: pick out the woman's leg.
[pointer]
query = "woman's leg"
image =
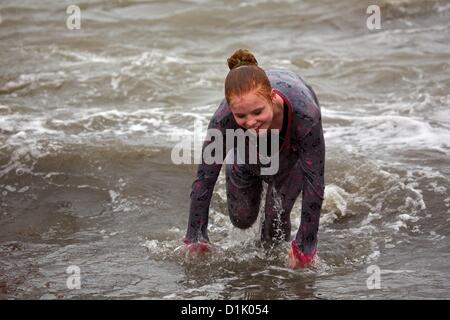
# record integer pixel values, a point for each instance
(282, 192)
(243, 195)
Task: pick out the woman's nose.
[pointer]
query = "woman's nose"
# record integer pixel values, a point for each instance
(251, 123)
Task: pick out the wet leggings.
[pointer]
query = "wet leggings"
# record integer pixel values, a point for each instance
(244, 192)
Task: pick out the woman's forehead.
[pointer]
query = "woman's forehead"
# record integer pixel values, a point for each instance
(247, 102)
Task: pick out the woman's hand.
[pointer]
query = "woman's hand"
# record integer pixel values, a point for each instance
(297, 259)
(195, 248)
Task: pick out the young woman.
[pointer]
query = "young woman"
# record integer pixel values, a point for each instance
(272, 99)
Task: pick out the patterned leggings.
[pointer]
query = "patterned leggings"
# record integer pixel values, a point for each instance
(244, 192)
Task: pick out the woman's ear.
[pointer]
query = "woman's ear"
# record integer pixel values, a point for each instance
(273, 95)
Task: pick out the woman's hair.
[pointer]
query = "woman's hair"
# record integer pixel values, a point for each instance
(245, 76)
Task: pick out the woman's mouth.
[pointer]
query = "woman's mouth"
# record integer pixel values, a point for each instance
(259, 130)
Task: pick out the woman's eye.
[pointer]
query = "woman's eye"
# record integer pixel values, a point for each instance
(257, 113)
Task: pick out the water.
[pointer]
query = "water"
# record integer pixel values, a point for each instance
(87, 120)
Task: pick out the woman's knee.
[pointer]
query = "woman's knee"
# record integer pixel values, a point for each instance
(243, 217)
(243, 196)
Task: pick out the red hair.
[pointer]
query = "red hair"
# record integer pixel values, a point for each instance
(245, 76)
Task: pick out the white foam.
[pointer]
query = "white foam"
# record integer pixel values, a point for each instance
(114, 195)
(138, 127)
(387, 271)
(334, 204)
(23, 189)
(435, 237)
(174, 230)
(373, 256)
(5, 108)
(396, 225)
(441, 7)
(23, 81)
(407, 217)
(216, 287)
(151, 244)
(392, 123)
(390, 132)
(115, 81)
(24, 148)
(438, 189)
(158, 125)
(10, 188)
(371, 217)
(85, 57)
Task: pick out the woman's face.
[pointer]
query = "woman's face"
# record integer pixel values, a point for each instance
(251, 111)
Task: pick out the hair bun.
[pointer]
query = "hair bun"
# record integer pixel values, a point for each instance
(241, 57)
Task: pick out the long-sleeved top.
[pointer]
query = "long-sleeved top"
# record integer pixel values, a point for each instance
(302, 148)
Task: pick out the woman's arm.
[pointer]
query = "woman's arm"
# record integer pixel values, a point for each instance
(202, 190)
(312, 157)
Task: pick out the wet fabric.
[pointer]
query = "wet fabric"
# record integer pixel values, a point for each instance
(301, 170)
